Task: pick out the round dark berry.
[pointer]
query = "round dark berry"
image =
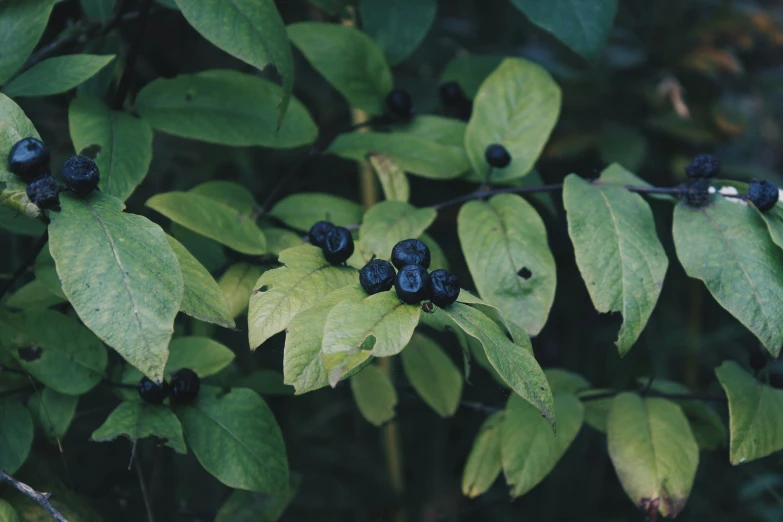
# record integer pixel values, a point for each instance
(410, 252)
(43, 192)
(763, 194)
(377, 276)
(757, 359)
(445, 287)
(318, 232)
(399, 103)
(703, 166)
(497, 156)
(451, 93)
(338, 245)
(413, 284)
(696, 193)
(152, 392)
(185, 385)
(28, 159)
(80, 174)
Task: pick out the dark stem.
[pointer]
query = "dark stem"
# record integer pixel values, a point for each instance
(27, 263)
(122, 88)
(41, 498)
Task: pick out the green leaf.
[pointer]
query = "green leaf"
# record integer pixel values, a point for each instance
(251, 30)
(16, 223)
(54, 412)
(56, 75)
(236, 283)
(529, 450)
(389, 222)
(597, 410)
(225, 107)
(505, 245)
(727, 246)
(246, 506)
(348, 59)
(379, 325)
(483, 465)
(125, 144)
(22, 22)
(14, 126)
(99, 10)
(392, 177)
(33, 296)
(64, 355)
(46, 272)
(279, 239)
(202, 297)
(516, 106)
(200, 354)
(582, 25)
(653, 451)
(229, 194)
(282, 293)
(211, 218)
(624, 145)
(16, 435)
(137, 419)
(374, 394)
(237, 440)
(562, 381)
(774, 220)
(7, 512)
(755, 414)
(430, 147)
(470, 71)
(513, 362)
(113, 264)
(617, 250)
(397, 26)
(301, 211)
(209, 253)
(302, 364)
(433, 375)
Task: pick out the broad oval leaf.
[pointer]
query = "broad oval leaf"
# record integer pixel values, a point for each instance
(727, 246)
(16, 435)
(755, 414)
(54, 412)
(55, 75)
(14, 126)
(282, 293)
(211, 218)
(514, 362)
(516, 106)
(125, 144)
(505, 245)
(617, 250)
(374, 395)
(279, 239)
(251, 30)
(529, 449)
(225, 107)
(202, 296)
(583, 25)
(237, 440)
(22, 22)
(654, 453)
(432, 374)
(301, 211)
(393, 180)
(117, 265)
(200, 354)
(348, 59)
(484, 465)
(236, 283)
(137, 419)
(397, 26)
(64, 355)
(389, 222)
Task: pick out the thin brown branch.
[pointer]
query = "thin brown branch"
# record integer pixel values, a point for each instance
(41, 498)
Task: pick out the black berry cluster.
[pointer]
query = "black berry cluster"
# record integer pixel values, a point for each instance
(184, 388)
(497, 156)
(336, 242)
(412, 283)
(399, 104)
(455, 103)
(703, 166)
(763, 194)
(696, 193)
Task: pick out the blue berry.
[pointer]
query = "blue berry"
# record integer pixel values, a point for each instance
(318, 232)
(338, 245)
(152, 392)
(185, 385)
(29, 159)
(763, 194)
(43, 192)
(413, 284)
(445, 288)
(703, 166)
(377, 276)
(80, 174)
(399, 104)
(497, 156)
(410, 252)
(696, 193)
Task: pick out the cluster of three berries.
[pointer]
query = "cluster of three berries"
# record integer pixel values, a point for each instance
(184, 388)
(763, 194)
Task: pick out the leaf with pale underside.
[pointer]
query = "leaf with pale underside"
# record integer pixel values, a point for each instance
(236, 283)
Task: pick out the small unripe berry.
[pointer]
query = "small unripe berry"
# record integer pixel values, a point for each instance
(497, 156)
(43, 192)
(318, 232)
(185, 385)
(29, 159)
(410, 252)
(445, 288)
(338, 245)
(152, 392)
(703, 166)
(80, 174)
(763, 194)
(377, 276)
(399, 104)
(413, 284)
(696, 193)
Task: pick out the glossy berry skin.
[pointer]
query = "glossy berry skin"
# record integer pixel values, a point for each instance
(80, 175)
(696, 193)
(377, 276)
(451, 93)
(43, 192)
(338, 245)
(497, 156)
(445, 288)
(763, 194)
(185, 385)
(152, 392)
(318, 232)
(29, 159)
(703, 166)
(410, 252)
(399, 104)
(413, 284)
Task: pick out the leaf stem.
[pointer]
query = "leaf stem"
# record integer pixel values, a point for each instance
(26, 264)
(41, 498)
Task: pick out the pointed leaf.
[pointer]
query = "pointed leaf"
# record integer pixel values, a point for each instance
(137, 419)
(433, 375)
(200, 354)
(483, 465)
(16, 435)
(389, 222)
(303, 210)
(22, 22)
(236, 283)
(562, 381)
(397, 26)
(374, 394)
(55, 75)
